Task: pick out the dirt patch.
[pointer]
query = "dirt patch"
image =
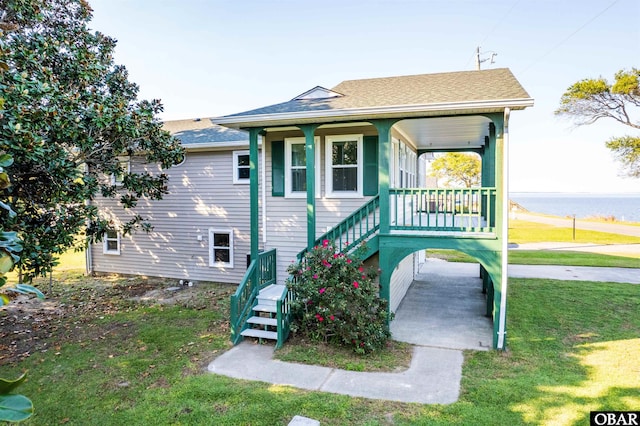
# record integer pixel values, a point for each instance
(29, 325)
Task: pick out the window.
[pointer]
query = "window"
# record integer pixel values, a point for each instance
(125, 166)
(111, 241)
(221, 247)
(241, 167)
(344, 166)
(296, 167)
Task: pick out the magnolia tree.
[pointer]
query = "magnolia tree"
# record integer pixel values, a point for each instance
(68, 116)
(590, 100)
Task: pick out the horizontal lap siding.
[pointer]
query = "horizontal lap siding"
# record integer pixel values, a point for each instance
(287, 218)
(401, 280)
(201, 196)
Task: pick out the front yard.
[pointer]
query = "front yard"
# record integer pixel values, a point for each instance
(115, 351)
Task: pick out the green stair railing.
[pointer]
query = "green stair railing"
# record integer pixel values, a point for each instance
(260, 273)
(356, 228)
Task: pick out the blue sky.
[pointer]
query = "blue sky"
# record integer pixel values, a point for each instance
(210, 58)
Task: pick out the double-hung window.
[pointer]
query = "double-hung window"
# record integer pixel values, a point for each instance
(296, 167)
(111, 242)
(221, 247)
(344, 166)
(241, 167)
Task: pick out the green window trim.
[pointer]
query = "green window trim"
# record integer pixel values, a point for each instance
(370, 167)
(277, 168)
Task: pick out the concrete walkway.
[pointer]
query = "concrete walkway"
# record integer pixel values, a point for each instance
(433, 377)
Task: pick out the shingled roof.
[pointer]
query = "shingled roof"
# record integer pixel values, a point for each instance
(495, 88)
(194, 133)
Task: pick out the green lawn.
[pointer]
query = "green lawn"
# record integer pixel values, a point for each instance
(94, 356)
(112, 361)
(531, 232)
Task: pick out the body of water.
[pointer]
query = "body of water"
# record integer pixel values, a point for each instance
(621, 206)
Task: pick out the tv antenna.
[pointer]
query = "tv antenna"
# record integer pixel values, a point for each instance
(480, 61)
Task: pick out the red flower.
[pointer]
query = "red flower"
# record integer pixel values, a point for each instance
(322, 290)
(325, 243)
(332, 317)
(355, 284)
(348, 260)
(319, 317)
(361, 269)
(315, 276)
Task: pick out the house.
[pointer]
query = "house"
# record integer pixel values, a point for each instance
(345, 164)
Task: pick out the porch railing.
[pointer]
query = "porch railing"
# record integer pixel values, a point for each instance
(260, 273)
(451, 210)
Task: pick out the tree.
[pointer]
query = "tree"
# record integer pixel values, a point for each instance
(68, 118)
(457, 169)
(589, 100)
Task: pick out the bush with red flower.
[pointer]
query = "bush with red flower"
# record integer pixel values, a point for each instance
(337, 300)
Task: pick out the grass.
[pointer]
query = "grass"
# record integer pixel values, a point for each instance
(118, 362)
(546, 257)
(101, 358)
(521, 232)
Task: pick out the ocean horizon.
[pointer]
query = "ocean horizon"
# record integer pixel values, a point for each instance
(621, 206)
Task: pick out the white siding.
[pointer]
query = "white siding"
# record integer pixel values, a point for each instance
(201, 196)
(287, 217)
(401, 279)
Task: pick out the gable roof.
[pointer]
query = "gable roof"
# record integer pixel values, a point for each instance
(203, 134)
(414, 95)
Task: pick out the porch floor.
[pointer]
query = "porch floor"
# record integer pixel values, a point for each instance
(444, 307)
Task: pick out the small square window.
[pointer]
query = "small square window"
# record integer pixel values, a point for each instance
(241, 166)
(221, 247)
(117, 178)
(111, 242)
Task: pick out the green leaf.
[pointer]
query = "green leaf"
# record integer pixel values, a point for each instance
(30, 289)
(15, 408)
(6, 160)
(6, 263)
(7, 385)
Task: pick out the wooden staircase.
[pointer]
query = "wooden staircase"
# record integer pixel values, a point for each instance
(264, 323)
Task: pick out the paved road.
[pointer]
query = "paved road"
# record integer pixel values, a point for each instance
(613, 228)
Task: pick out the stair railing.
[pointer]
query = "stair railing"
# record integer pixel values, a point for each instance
(354, 229)
(260, 273)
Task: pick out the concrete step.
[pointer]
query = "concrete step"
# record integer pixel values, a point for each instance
(261, 334)
(263, 321)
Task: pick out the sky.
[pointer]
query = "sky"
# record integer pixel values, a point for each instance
(207, 58)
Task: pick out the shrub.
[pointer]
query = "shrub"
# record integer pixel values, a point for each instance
(337, 301)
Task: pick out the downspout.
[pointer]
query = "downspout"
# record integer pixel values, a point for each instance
(264, 190)
(504, 276)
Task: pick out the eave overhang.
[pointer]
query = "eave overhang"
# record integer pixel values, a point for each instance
(371, 113)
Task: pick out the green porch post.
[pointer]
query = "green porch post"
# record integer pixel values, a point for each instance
(502, 227)
(253, 191)
(384, 144)
(310, 153)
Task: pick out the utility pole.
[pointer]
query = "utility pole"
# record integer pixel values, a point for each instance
(479, 61)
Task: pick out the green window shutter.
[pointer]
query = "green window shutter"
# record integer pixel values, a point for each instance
(277, 168)
(370, 167)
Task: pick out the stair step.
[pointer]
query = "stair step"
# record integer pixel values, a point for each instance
(265, 308)
(263, 321)
(261, 334)
(271, 292)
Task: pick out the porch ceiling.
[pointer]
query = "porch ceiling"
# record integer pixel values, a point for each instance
(446, 132)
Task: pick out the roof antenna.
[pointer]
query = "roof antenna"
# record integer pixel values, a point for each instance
(479, 61)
